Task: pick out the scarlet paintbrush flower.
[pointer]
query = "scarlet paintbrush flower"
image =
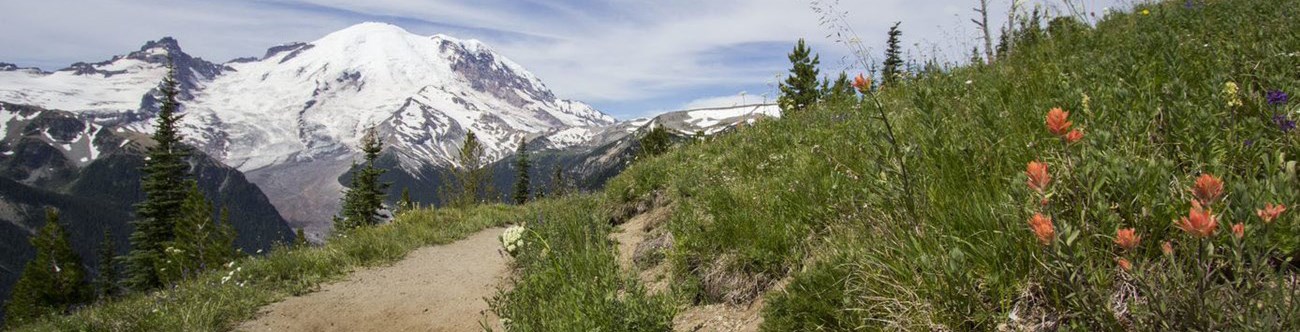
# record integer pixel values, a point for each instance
(1199, 222)
(1042, 227)
(1208, 189)
(862, 83)
(1238, 230)
(1074, 136)
(1270, 212)
(1167, 248)
(1058, 122)
(1124, 264)
(1038, 177)
(1127, 238)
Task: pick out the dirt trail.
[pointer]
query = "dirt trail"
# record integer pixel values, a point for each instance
(438, 288)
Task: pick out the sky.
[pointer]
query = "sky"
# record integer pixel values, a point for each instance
(627, 58)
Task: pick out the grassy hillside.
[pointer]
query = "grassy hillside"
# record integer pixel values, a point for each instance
(811, 211)
(817, 198)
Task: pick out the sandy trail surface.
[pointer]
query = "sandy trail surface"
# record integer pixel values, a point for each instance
(438, 288)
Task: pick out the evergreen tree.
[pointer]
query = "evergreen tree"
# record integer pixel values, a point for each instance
(300, 239)
(559, 183)
(800, 89)
(363, 199)
(200, 243)
(470, 177)
(163, 184)
(405, 203)
(106, 286)
(893, 56)
(53, 282)
(655, 142)
(841, 92)
(522, 164)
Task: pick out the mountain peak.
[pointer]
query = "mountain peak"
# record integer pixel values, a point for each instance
(366, 29)
(167, 43)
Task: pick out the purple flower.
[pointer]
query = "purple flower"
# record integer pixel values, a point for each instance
(1250, 142)
(1283, 123)
(1277, 98)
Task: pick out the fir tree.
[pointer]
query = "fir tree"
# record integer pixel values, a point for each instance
(559, 183)
(200, 243)
(363, 199)
(522, 164)
(470, 177)
(405, 203)
(800, 89)
(163, 184)
(893, 56)
(106, 283)
(841, 91)
(53, 282)
(655, 142)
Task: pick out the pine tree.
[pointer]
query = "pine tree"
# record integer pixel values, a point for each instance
(200, 242)
(363, 199)
(163, 183)
(106, 283)
(405, 203)
(893, 56)
(522, 164)
(655, 142)
(841, 91)
(559, 183)
(469, 185)
(53, 282)
(300, 239)
(800, 89)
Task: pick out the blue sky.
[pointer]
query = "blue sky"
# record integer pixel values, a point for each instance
(628, 58)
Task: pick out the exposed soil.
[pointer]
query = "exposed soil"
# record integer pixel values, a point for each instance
(439, 288)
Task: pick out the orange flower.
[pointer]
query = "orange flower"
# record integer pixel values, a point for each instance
(1208, 188)
(1167, 248)
(1127, 238)
(1042, 226)
(1270, 212)
(1074, 136)
(1199, 222)
(1058, 122)
(1239, 230)
(862, 83)
(1124, 264)
(1038, 177)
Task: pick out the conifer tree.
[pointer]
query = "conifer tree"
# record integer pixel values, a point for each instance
(54, 281)
(893, 56)
(800, 89)
(300, 239)
(470, 176)
(522, 165)
(200, 243)
(655, 142)
(106, 283)
(405, 203)
(841, 91)
(559, 183)
(363, 199)
(163, 184)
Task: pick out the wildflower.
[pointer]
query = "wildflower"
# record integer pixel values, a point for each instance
(1230, 91)
(1238, 230)
(1270, 212)
(1277, 98)
(1199, 222)
(1283, 123)
(1074, 136)
(862, 83)
(1146, 12)
(1167, 248)
(1208, 189)
(1042, 227)
(1127, 238)
(1058, 121)
(1124, 264)
(1038, 177)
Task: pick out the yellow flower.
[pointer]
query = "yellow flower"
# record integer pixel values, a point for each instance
(1230, 91)
(1146, 12)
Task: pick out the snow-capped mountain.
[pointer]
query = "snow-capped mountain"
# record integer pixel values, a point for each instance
(291, 119)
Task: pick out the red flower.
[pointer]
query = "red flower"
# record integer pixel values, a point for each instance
(1058, 122)
(1208, 189)
(1038, 177)
(862, 83)
(1199, 222)
(1042, 227)
(1239, 230)
(1270, 212)
(1074, 136)
(1167, 248)
(1124, 264)
(1127, 238)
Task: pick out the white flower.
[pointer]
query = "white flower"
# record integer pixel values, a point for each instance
(512, 238)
